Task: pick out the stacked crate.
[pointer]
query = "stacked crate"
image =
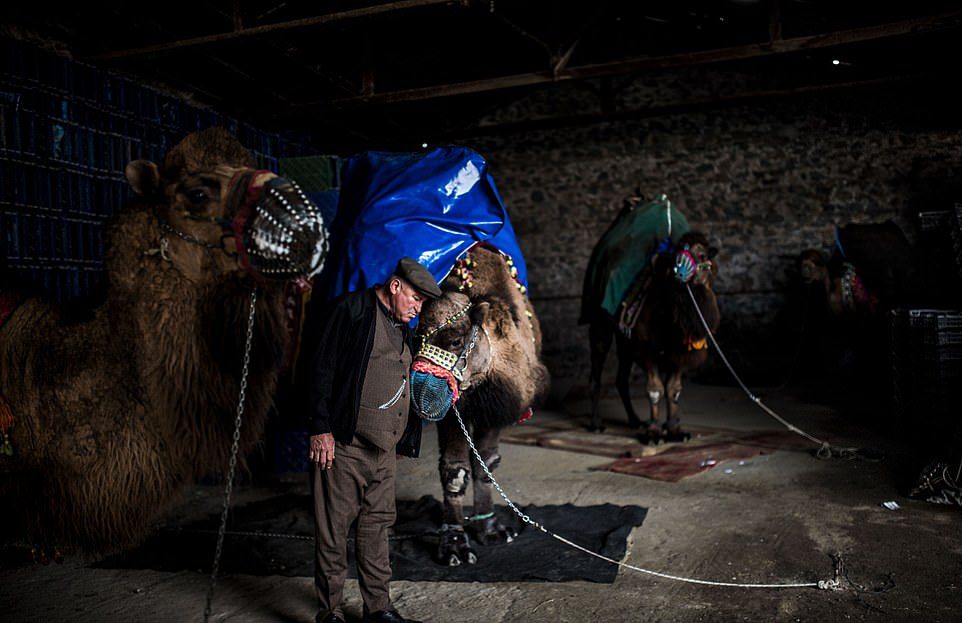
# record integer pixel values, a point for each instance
(955, 233)
(67, 130)
(927, 370)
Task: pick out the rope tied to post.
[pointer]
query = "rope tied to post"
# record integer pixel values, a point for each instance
(825, 449)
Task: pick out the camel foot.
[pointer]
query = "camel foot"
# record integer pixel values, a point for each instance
(676, 435)
(453, 548)
(490, 531)
(634, 422)
(596, 427)
(651, 434)
(673, 431)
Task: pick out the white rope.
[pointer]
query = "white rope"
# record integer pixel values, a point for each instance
(825, 450)
(821, 584)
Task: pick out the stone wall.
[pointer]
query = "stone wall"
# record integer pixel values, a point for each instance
(765, 181)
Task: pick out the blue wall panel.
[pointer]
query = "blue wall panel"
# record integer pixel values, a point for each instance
(67, 130)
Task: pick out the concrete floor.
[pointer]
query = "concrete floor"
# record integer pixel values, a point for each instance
(774, 519)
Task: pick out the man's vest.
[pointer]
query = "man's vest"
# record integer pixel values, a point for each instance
(385, 397)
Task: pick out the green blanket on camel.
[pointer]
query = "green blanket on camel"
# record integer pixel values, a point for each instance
(623, 252)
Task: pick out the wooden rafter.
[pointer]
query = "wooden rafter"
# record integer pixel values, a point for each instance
(636, 65)
(677, 107)
(270, 28)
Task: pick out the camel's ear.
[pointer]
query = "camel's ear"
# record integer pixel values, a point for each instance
(143, 176)
(480, 313)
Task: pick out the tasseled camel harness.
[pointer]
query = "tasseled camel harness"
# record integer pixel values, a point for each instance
(685, 269)
(436, 374)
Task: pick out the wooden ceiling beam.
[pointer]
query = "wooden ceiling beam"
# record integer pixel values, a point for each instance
(636, 65)
(240, 33)
(678, 107)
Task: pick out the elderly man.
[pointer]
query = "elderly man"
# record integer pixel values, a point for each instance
(359, 402)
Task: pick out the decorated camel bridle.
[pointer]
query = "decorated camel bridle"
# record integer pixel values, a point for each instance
(686, 266)
(272, 227)
(437, 373)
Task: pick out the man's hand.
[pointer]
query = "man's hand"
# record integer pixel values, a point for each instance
(322, 450)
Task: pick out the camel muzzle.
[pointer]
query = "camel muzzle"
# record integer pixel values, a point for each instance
(279, 232)
(687, 267)
(436, 375)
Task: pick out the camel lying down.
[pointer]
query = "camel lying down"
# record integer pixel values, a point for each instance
(112, 417)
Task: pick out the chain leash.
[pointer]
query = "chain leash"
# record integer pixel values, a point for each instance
(298, 537)
(832, 584)
(232, 465)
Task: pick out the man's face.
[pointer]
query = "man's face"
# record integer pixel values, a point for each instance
(405, 300)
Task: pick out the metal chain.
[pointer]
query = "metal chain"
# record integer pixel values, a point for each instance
(232, 464)
(164, 225)
(821, 584)
(472, 342)
(300, 537)
(487, 472)
(207, 246)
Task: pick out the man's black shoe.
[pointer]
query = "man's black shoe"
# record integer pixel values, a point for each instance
(386, 616)
(331, 618)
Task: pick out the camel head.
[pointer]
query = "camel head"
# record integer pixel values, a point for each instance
(214, 210)
(454, 347)
(812, 267)
(695, 260)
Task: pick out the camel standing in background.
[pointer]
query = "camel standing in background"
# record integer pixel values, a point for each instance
(503, 379)
(114, 416)
(667, 338)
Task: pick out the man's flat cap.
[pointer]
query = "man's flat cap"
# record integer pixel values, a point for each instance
(418, 276)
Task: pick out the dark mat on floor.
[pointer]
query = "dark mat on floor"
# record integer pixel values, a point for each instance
(274, 537)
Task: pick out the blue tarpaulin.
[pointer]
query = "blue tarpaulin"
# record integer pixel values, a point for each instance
(431, 206)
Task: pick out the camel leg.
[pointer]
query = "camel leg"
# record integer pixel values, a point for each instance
(455, 469)
(656, 390)
(622, 381)
(600, 334)
(484, 525)
(673, 430)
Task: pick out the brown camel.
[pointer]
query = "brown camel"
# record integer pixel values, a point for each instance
(502, 380)
(113, 416)
(666, 337)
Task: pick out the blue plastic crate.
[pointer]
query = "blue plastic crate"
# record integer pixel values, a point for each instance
(10, 228)
(290, 451)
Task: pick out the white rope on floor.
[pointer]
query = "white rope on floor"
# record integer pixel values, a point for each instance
(825, 450)
(832, 584)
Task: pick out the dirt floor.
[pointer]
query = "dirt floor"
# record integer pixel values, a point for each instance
(774, 518)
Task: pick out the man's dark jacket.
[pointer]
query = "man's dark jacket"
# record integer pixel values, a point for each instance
(335, 375)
